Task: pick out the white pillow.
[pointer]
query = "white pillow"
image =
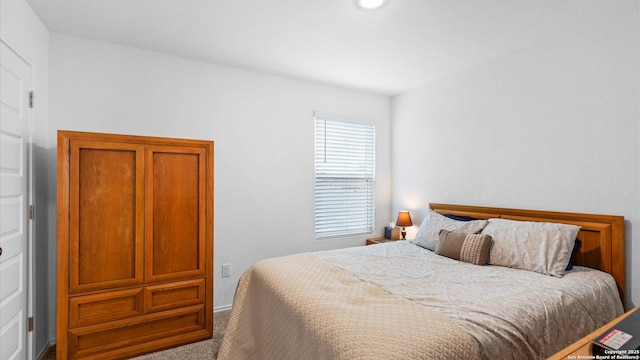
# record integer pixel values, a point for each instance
(428, 233)
(536, 246)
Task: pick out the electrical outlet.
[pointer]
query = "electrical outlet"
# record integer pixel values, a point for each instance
(226, 270)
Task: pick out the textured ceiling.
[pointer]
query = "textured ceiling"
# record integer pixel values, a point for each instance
(405, 44)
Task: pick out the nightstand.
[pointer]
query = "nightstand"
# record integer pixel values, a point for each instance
(379, 240)
(583, 346)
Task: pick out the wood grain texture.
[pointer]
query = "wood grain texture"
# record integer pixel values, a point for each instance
(583, 346)
(380, 240)
(135, 244)
(105, 306)
(602, 235)
(176, 193)
(99, 340)
(174, 295)
(106, 240)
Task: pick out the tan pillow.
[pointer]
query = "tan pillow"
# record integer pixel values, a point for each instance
(471, 248)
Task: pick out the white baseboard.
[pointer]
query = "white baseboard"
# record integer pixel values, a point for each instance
(222, 308)
(49, 344)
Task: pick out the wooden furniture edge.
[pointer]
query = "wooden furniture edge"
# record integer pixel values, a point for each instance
(380, 240)
(584, 345)
(136, 139)
(209, 242)
(62, 248)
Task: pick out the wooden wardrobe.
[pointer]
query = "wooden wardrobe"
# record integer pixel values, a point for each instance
(135, 244)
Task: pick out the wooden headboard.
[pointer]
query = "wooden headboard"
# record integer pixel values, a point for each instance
(602, 235)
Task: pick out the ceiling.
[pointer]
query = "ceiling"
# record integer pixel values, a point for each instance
(401, 46)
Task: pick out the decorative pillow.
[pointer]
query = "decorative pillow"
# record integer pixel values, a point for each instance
(460, 217)
(536, 246)
(471, 248)
(576, 246)
(427, 235)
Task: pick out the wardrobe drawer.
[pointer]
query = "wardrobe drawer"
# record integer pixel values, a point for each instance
(104, 307)
(159, 330)
(174, 295)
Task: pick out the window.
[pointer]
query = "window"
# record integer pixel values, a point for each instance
(345, 177)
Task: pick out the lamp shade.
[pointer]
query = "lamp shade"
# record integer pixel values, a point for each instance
(404, 219)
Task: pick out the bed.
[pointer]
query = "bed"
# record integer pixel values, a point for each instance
(401, 300)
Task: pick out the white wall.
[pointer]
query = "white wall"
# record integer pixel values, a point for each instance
(23, 31)
(554, 126)
(262, 126)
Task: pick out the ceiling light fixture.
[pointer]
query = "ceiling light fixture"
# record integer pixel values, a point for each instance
(370, 4)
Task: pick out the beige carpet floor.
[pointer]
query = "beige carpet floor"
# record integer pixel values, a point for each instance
(203, 350)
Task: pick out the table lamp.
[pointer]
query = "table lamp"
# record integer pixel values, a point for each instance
(404, 220)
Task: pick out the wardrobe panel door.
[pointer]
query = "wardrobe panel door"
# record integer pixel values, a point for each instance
(106, 236)
(176, 216)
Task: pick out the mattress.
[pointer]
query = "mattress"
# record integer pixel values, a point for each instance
(400, 301)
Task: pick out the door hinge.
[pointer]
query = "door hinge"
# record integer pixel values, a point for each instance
(31, 213)
(30, 324)
(32, 99)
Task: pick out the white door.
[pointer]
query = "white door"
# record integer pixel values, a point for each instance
(15, 76)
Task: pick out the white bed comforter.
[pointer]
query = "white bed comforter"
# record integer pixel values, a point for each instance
(510, 314)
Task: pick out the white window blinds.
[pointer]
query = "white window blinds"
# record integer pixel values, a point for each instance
(345, 177)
